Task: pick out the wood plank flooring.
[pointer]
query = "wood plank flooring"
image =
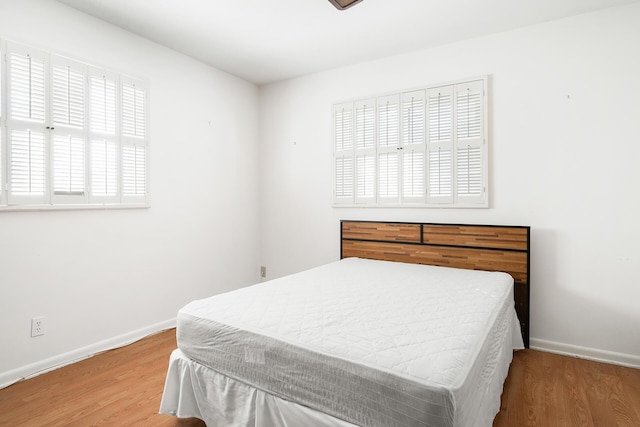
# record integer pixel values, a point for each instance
(123, 387)
(549, 390)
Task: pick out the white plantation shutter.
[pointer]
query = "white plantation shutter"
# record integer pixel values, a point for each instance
(26, 118)
(343, 124)
(365, 150)
(27, 165)
(72, 134)
(68, 93)
(103, 151)
(343, 162)
(388, 148)
(343, 178)
(424, 147)
(102, 95)
(68, 165)
(104, 173)
(470, 170)
(26, 84)
(133, 109)
(413, 175)
(68, 134)
(365, 178)
(440, 145)
(388, 177)
(134, 171)
(134, 143)
(365, 124)
(413, 147)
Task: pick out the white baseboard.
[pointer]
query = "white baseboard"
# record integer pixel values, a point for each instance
(595, 354)
(46, 365)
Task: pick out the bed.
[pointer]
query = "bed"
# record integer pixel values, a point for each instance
(414, 326)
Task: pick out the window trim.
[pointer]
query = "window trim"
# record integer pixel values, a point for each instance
(86, 200)
(426, 200)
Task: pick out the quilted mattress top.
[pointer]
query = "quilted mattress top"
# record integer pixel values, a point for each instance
(420, 322)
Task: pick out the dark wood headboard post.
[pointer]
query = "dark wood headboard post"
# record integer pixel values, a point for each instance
(475, 247)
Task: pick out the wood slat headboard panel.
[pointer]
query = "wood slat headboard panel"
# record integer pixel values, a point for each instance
(476, 236)
(473, 247)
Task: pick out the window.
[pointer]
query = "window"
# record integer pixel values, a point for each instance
(73, 135)
(425, 147)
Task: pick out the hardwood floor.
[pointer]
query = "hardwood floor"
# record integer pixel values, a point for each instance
(123, 387)
(549, 390)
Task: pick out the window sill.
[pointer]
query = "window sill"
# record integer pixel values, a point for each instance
(484, 205)
(70, 207)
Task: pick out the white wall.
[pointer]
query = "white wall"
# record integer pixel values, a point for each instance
(99, 277)
(568, 87)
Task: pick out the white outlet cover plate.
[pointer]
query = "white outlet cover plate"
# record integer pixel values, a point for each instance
(37, 326)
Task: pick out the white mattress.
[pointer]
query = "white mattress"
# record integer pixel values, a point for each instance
(369, 342)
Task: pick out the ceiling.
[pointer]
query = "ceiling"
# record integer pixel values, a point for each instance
(264, 41)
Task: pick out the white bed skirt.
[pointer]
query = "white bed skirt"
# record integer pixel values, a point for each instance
(193, 390)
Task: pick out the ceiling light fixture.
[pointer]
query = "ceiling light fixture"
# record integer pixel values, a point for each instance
(344, 4)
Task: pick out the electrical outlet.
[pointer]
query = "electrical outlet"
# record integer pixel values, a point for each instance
(37, 326)
(263, 271)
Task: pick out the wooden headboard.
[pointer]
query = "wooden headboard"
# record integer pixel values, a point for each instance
(474, 247)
